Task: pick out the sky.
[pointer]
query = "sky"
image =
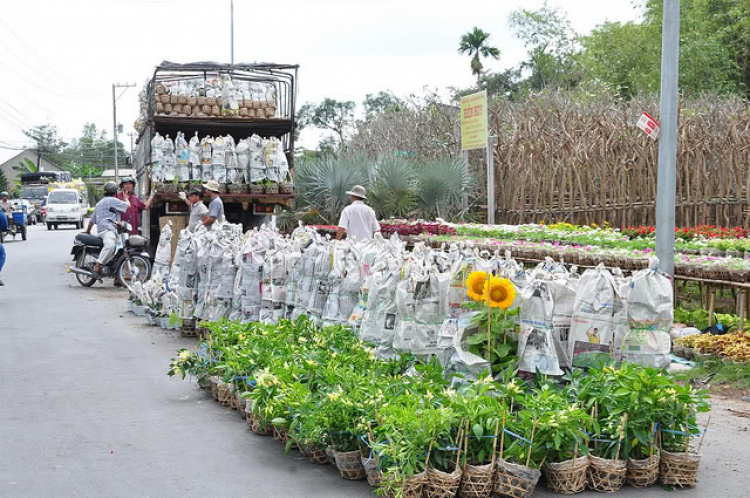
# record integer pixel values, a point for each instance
(59, 59)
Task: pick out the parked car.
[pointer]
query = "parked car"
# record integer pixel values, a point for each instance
(64, 208)
(31, 212)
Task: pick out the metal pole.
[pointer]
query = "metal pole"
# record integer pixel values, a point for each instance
(465, 196)
(667, 176)
(232, 29)
(114, 129)
(490, 180)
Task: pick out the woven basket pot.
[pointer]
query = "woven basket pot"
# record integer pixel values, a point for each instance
(679, 469)
(374, 475)
(261, 428)
(280, 434)
(515, 481)
(225, 394)
(317, 455)
(234, 401)
(442, 484)
(476, 481)
(331, 454)
(568, 477)
(214, 388)
(412, 487)
(349, 464)
(643, 473)
(605, 475)
(272, 188)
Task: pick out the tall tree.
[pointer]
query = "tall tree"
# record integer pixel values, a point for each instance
(4, 186)
(551, 42)
(47, 142)
(714, 49)
(332, 115)
(475, 43)
(381, 103)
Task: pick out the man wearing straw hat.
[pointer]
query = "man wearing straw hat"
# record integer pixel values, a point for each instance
(358, 220)
(215, 207)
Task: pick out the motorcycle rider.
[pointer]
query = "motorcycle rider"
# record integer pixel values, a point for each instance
(6, 208)
(105, 220)
(3, 228)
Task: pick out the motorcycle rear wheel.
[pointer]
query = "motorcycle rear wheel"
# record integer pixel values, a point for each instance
(83, 259)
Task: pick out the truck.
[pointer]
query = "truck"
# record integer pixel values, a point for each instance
(168, 107)
(36, 186)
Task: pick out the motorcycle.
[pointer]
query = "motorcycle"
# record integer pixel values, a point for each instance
(131, 262)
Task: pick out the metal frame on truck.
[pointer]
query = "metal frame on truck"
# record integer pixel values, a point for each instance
(239, 208)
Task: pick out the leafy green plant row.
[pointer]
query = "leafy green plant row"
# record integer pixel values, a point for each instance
(326, 387)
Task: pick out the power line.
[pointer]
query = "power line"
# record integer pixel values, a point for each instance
(41, 59)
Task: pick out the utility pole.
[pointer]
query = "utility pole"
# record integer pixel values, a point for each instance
(114, 120)
(667, 175)
(131, 135)
(232, 28)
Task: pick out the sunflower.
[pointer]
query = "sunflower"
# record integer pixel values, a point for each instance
(501, 292)
(475, 285)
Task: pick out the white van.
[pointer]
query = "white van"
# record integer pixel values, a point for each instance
(64, 208)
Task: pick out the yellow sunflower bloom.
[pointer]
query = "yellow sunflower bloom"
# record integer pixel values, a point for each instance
(501, 292)
(475, 285)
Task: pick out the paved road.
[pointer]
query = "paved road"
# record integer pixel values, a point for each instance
(86, 408)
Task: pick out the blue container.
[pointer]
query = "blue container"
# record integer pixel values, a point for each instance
(19, 218)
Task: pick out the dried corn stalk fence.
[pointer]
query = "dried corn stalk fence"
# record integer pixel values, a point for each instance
(584, 161)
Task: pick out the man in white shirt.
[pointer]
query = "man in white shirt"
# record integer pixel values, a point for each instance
(358, 220)
(198, 210)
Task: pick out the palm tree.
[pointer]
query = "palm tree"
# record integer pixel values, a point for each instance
(475, 43)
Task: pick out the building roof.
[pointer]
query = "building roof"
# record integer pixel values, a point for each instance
(46, 164)
(121, 172)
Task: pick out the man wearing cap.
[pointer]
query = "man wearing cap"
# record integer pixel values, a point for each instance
(137, 206)
(358, 220)
(198, 210)
(215, 207)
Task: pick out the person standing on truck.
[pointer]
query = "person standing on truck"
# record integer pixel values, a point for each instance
(137, 206)
(104, 219)
(198, 210)
(358, 220)
(215, 207)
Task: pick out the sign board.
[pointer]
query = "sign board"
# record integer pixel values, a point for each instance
(649, 125)
(474, 121)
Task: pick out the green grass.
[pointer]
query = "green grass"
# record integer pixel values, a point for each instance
(734, 375)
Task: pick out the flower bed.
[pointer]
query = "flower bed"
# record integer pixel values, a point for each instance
(689, 265)
(322, 386)
(734, 346)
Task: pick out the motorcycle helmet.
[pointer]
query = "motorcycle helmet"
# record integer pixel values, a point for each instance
(110, 188)
(3, 194)
(127, 179)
